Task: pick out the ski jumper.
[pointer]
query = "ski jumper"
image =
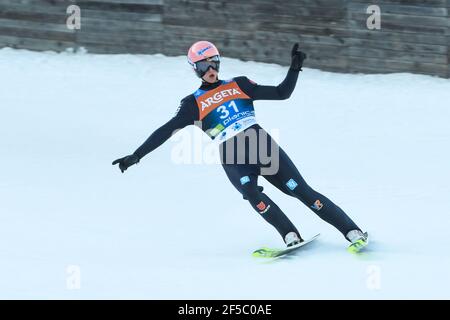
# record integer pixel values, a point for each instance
(224, 110)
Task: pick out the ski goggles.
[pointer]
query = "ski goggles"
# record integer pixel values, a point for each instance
(202, 66)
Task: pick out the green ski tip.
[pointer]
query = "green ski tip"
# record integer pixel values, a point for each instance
(266, 253)
(357, 246)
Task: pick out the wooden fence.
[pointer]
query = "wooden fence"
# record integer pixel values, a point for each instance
(414, 35)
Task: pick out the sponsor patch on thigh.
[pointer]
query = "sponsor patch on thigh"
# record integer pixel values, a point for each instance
(291, 184)
(245, 179)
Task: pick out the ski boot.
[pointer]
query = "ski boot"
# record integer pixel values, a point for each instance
(292, 238)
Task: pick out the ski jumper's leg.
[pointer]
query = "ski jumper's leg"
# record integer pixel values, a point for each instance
(289, 180)
(244, 179)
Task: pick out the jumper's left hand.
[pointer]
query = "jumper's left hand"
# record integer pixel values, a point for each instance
(297, 58)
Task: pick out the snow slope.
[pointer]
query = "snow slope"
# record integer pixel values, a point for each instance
(72, 226)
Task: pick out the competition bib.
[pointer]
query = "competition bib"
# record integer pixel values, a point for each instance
(225, 111)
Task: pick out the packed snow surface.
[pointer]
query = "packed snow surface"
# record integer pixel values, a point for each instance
(72, 226)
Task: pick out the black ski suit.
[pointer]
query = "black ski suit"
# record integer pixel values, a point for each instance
(242, 154)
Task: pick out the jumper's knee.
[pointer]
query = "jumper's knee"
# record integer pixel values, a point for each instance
(250, 193)
(249, 188)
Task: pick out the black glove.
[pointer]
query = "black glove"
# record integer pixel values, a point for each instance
(297, 58)
(126, 162)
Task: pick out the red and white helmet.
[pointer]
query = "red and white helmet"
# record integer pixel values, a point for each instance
(201, 50)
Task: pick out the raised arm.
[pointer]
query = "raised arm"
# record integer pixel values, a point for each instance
(284, 89)
(281, 92)
(182, 118)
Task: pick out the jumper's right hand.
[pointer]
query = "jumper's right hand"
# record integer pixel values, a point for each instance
(126, 162)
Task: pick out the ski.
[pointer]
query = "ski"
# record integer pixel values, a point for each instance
(275, 253)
